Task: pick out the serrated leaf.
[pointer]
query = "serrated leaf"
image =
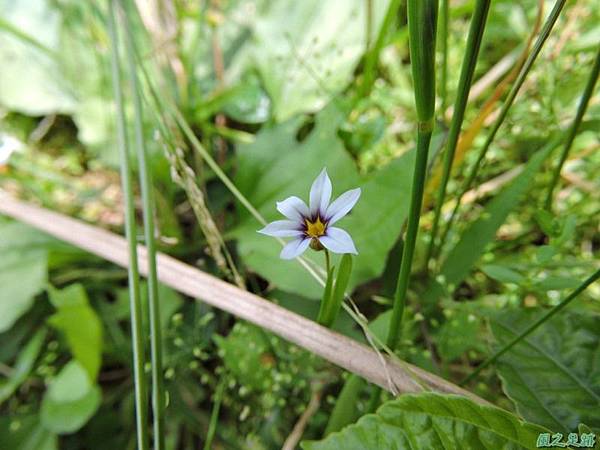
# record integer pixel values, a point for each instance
(552, 375)
(70, 401)
(431, 421)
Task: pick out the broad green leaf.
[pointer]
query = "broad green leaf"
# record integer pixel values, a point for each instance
(80, 325)
(276, 166)
(26, 433)
(70, 401)
(23, 275)
(307, 51)
(431, 421)
(552, 375)
(502, 273)
(31, 80)
(481, 232)
(23, 365)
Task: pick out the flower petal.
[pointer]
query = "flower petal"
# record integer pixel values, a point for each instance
(293, 208)
(294, 248)
(342, 205)
(338, 241)
(320, 194)
(282, 228)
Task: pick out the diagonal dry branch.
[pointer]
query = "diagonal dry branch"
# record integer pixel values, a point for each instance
(334, 347)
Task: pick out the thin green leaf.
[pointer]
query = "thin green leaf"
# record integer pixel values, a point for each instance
(345, 411)
(23, 365)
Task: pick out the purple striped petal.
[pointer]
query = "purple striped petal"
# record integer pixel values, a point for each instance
(342, 205)
(282, 228)
(293, 208)
(320, 194)
(338, 241)
(294, 248)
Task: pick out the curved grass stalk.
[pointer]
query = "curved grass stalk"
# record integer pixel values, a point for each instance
(148, 208)
(581, 108)
(464, 85)
(533, 326)
(130, 232)
(545, 32)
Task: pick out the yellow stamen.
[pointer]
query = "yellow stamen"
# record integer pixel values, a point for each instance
(315, 229)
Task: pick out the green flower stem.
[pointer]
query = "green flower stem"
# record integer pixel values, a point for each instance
(423, 139)
(534, 326)
(443, 44)
(545, 32)
(130, 232)
(145, 175)
(583, 104)
(372, 55)
(422, 22)
(464, 85)
(324, 306)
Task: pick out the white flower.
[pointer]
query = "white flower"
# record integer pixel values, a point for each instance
(8, 145)
(313, 225)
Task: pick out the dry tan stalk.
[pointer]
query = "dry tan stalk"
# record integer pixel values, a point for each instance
(331, 346)
(311, 409)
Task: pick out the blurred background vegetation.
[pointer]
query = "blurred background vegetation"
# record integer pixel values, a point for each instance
(275, 91)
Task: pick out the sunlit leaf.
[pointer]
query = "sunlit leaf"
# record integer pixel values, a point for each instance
(80, 325)
(70, 401)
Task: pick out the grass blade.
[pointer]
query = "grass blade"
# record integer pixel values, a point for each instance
(537, 48)
(372, 55)
(572, 296)
(464, 85)
(145, 176)
(130, 232)
(581, 108)
(443, 44)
